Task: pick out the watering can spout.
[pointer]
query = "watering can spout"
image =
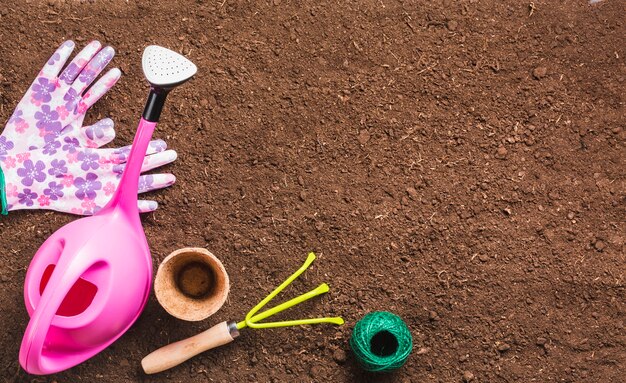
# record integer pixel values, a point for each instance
(164, 69)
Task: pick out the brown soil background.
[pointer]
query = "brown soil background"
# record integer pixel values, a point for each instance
(460, 163)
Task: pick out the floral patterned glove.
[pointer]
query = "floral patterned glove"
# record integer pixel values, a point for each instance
(49, 160)
(55, 102)
(71, 178)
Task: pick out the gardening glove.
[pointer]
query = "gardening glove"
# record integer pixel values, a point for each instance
(71, 178)
(37, 131)
(53, 102)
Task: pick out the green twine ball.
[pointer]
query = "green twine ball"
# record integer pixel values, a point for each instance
(381, 341)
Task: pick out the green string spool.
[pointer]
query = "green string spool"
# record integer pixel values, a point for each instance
(381, 341)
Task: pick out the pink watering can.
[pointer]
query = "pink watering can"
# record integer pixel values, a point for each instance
(89, 281)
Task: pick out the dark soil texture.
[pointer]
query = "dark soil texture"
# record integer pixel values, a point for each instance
(458, 163)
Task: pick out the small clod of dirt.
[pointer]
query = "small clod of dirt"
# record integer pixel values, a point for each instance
(540, 72)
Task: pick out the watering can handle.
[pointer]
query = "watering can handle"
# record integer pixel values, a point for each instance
(175, 353)
(66, 273)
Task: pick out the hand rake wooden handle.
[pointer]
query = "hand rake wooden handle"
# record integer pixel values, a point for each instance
(175, 353)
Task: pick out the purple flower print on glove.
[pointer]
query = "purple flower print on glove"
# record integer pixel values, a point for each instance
(71, 99)
(95, 131)
(42, 90)
(69, 73)
(48, 119)
(70, 144)
(86, 76)
(123, 153)
(19, 123)
(89, 159)
(57, 168)
(54, 58)
(5, 147)
(54, 191)
(32, 172)
(27, 197)
(102, 59)
(158, 145)
(86, 187)
(16, 117)
(51, 147)
(145, 182)
(118, 170)
(48, 137)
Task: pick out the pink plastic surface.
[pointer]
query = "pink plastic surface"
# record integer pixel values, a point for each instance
(99, 282)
